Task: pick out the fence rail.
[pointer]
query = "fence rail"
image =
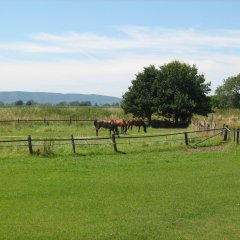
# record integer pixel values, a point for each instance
(115, 140)
(46, 120)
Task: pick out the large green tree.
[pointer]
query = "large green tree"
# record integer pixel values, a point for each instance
(181, 92)
(175, 91)
(228, 94)
(139, 99)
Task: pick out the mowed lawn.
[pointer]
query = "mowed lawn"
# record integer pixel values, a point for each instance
(188, 194)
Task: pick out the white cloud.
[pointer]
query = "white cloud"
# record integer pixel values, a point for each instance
(134, 38)
(111, 77)
(216, 54)
(189, 40)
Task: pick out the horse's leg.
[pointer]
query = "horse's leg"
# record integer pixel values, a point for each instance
(116, 130)
(97, 128)
(125, 129)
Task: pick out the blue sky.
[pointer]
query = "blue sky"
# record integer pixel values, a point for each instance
(98, 46)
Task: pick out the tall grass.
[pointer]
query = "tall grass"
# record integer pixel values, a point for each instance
(9, 113)
(231, 117)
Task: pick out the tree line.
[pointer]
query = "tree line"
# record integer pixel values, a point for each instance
(60, 104)
(227, 95)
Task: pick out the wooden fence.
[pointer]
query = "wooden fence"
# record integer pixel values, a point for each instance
(44, 120)
(29, 142)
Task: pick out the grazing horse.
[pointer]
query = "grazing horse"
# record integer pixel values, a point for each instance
(121, 123)
(110, 124)
(137, 122)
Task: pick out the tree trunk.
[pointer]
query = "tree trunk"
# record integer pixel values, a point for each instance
(149, 118)
(176, 118)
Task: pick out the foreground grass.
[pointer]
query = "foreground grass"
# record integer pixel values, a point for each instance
(160, 195)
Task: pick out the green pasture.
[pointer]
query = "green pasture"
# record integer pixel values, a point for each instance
(190, 194)
(44, 129)
(49, 139)
(158, 189)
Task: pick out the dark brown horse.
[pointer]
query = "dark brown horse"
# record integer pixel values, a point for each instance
(109, 124)
(137, 122)
(121, 123)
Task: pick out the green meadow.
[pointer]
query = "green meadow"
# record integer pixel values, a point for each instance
(157, 190)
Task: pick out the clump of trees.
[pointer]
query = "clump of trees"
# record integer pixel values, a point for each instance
(75, 103)
(175, 91)
(228, 94)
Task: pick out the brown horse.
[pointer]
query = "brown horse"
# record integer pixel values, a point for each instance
(121, 123)
(109, 124)
(137, 122)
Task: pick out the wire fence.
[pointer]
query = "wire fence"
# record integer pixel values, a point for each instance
(44, 120)
(188, 138)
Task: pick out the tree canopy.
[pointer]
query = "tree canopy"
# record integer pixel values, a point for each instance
(139, 99)
(228, 94)
(175, 91)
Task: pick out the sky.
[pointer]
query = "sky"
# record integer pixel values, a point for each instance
(98, 46)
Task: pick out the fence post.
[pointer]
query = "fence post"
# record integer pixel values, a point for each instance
(234, 134)
(114, 142)
(73, 144)
(237, 136)
(186, 138)
(30, 145)
(225, 133)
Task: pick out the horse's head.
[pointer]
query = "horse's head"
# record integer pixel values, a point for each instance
(95, 122)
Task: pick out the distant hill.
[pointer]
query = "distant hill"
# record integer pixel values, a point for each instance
(54, 98)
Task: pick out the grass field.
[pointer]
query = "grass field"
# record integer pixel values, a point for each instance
(152, 192)
(169, 195)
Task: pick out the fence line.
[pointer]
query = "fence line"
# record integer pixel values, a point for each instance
(171, 134)
(114, 139)
(47, 120)
(208, 138)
